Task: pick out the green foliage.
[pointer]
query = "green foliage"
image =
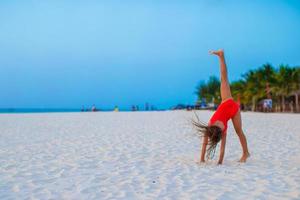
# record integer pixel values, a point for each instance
(252, 87)
(209, 90)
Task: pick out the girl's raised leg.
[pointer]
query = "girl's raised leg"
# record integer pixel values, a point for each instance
(225, 87)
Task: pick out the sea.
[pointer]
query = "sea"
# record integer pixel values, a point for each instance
(37, 110)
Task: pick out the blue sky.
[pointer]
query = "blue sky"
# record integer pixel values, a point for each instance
(65, 54)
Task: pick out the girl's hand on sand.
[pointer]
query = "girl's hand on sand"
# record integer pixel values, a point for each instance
(200, 162)
(219, 52)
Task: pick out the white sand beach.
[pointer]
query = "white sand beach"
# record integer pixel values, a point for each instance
(144, 155)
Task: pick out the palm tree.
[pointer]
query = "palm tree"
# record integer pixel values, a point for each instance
(267, 78)
(213, 86)
(201, 90)
(237, 90)
(252, 88)
(209, 90)
(295, 81)
(284, 84)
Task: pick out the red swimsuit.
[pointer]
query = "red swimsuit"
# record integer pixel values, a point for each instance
(226, 110)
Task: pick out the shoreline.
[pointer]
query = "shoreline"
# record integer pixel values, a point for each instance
(45, 111)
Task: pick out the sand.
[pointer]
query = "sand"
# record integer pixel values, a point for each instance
(144, 155)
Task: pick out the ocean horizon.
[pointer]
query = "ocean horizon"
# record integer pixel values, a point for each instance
(45, 110)
(59, 110)
(37, 110)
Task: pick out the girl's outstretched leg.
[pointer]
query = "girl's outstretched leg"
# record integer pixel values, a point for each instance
(237, 123)
(225, 87)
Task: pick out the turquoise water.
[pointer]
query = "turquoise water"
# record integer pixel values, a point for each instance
(52, 110)
(36, 110)
(48, 110)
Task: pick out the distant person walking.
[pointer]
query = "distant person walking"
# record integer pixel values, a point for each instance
(94, 109)
(216, 129)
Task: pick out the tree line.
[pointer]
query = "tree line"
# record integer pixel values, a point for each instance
(281, 84)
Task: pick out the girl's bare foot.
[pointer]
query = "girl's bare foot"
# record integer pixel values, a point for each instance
(219, 52)
(244, 157)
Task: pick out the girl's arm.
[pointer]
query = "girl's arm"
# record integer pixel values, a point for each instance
(222, 150)
(203, 151)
